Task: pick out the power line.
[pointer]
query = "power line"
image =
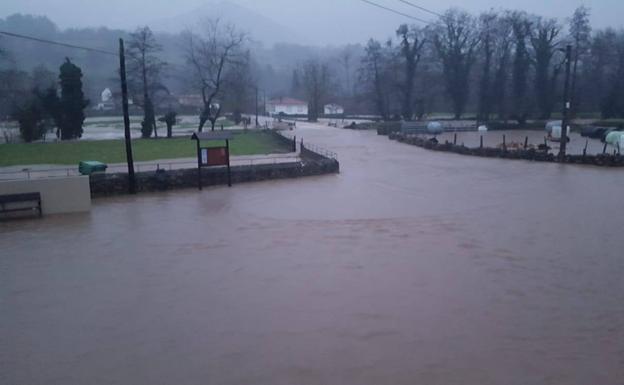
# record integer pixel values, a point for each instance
(395, 11)
(45, 41)
(421, 8)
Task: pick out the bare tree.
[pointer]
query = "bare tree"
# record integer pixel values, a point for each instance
(488, 30)
(373, 74)
(456, 40)
(412, 41)
(345, 60)
(503, 38)
(316, 80)
(580, 32)
(218, 50)
(145, 69)
(521, 27)
(544, 41)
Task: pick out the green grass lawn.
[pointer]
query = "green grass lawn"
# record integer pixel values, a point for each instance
(113, 151)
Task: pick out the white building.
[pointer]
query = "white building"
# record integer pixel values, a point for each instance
(334, 109)
(288, 106)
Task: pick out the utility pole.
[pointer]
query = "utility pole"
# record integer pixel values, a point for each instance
(257, 122)
(124, 98)
(566, 104)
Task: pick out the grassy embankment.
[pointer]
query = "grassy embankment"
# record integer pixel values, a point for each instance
(113, 151)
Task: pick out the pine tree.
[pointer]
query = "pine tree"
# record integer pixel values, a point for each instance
(73, 102)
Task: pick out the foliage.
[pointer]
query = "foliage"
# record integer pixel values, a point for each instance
(170, 120)
(31, 119)
(73, 101)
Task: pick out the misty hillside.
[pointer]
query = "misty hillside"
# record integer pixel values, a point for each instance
(259, 27)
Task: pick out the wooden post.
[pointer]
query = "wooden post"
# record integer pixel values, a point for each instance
(481, 142)
(227, 154)
(526, 142)
(199, 166)
(124, 103)
(455, 139)
(604, 149)
(504, 143)
(585, 149)
(295, 143)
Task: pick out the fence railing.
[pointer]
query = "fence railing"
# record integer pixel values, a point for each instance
(56, 172)
(312, 147)
(320, 150)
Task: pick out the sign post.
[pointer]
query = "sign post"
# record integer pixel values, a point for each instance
(213, 156)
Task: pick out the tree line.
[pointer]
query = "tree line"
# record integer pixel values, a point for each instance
(505, 65)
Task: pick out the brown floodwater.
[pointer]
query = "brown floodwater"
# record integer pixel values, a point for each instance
(410, 267)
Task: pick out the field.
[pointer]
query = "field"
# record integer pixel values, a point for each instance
(113, 151)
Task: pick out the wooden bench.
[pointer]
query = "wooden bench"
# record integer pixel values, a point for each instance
(34, 200)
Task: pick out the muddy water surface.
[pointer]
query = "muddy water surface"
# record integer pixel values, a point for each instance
(410, 267)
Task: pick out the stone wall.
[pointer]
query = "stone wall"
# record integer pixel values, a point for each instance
(529, 154)
(116, 184)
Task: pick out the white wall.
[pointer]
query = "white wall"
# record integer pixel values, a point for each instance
(289, 109)
(58, 195)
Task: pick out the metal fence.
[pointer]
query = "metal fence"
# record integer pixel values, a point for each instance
(57, 172)
(312, 147)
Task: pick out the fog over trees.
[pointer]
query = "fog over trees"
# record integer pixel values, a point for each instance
(503, 65)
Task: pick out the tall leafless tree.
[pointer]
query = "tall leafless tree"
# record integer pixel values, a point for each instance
(503, 38)
(487, 30)
(544, 40)
(144, 70)
(456, 40)
(521, 28)
(580, 32)
(316, 79)
(412, 40)
(373, 76)
(218, 50)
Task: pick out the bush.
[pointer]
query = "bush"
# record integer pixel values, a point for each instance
(31, 120)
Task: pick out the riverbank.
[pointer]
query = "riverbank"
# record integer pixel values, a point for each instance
(531, 154)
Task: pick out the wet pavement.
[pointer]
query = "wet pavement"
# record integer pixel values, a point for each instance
(409, 267)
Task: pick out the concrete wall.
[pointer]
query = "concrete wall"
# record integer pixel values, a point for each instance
(116, 184)
(58, 195)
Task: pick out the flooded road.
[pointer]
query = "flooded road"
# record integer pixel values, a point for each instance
(410, 267)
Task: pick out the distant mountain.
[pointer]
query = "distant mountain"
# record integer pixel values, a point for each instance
(260, 28)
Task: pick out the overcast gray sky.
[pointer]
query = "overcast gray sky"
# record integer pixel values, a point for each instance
(321, 21)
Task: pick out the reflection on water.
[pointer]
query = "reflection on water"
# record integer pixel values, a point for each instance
(410, 267)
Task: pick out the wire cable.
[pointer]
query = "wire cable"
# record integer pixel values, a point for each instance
(395, 11)
(421, 8)
(51, 42)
